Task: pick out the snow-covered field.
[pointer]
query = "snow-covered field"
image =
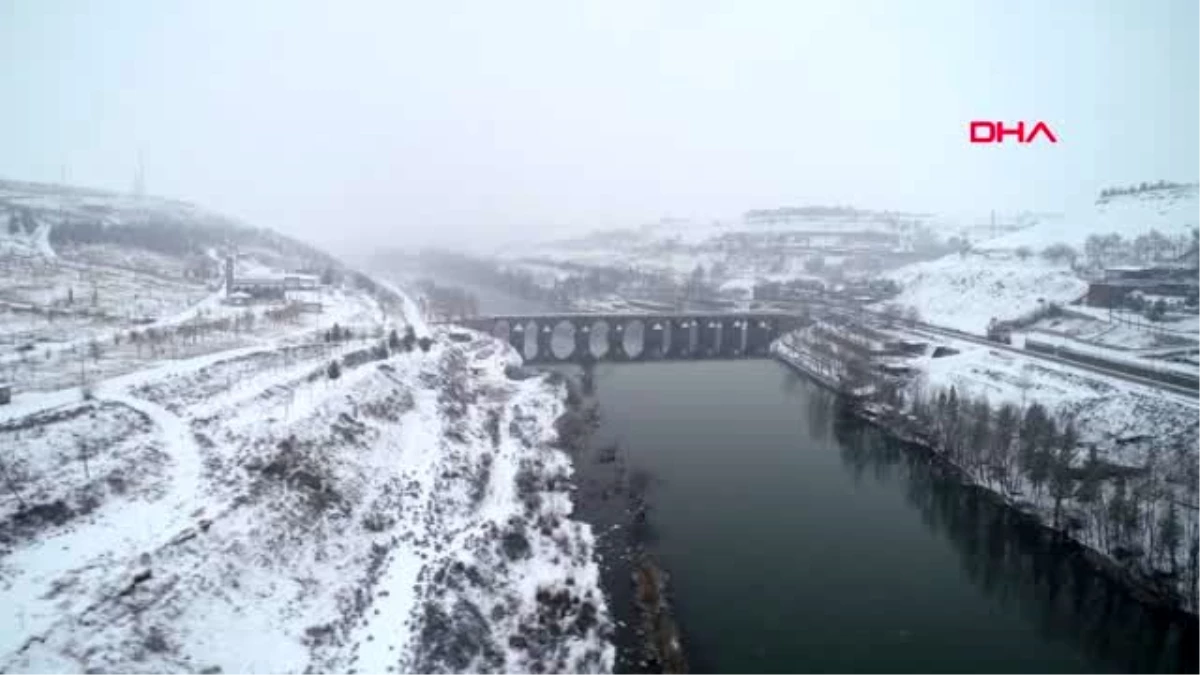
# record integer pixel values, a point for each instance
(243, 511)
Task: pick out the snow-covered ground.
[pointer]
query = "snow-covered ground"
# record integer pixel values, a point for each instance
(92, 349)
(965, 292)
(750, 246)
(999, 279)
(1172, 212)
(1123, 420)
(243, 511)
(217, 499)
(1096, 329)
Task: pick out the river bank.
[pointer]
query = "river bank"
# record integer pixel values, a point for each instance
(611, 498)
(1149, 590)
(903, 429)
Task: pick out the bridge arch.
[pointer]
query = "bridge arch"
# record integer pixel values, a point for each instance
(633, 339)
(599, 338)
(529, 345)
(562, 341)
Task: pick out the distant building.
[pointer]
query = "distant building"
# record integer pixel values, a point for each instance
(794, 289)
(1120, 283)
(242, 289)
(239, 298)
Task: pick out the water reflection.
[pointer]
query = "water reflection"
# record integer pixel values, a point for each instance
(1048, 581)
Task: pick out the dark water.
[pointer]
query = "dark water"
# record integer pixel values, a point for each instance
(800, 540)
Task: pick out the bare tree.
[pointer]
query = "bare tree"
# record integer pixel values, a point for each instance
(83, 457)
(10, 480)
(1061, 481)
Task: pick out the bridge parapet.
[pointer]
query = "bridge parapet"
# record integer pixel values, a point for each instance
(664, 335)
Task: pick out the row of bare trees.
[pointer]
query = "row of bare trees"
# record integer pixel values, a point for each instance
(1150, 247)
(1032, 455)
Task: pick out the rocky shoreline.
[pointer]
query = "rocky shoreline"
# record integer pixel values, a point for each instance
(610, 497)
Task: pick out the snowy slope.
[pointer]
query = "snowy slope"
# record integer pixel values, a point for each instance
(253, 515)
(136, 232)
(1172, 212)
(966, 292)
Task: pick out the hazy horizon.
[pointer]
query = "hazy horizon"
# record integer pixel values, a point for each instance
(371, 124)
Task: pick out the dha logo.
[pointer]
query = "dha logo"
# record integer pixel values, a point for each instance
(994, 132)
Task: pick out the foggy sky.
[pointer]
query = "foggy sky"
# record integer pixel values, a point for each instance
(356, 124)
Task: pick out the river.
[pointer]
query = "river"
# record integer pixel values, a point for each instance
(798, 539)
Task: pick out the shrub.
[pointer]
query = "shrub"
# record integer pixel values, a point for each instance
(334, 371)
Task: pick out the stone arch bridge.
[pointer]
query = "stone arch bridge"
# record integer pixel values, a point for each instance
(579, 337)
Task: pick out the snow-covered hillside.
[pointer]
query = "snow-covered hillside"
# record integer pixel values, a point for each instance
(93, 284)
(246, 512)
(271, 483)
(966, 291)
(1173, 212)
(1008, 276)
(775, 244)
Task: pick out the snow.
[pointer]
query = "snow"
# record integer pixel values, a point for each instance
(1121, 418)
(1172, 212)
(42, 241)
(1080, 325)
(967, 292)
(251, 573)
(241, 510)
(1111, 355)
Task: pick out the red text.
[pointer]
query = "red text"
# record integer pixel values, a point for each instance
(995, 132)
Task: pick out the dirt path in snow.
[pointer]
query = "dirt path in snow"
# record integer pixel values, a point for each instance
(183, 498)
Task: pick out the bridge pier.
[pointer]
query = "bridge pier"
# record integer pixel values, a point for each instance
(516, 338)
(545, 342)
(616, 341)
(583, 341)
(732, 332)
(681, 338)
(708, 336)
(653, 339)
(759, 335)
